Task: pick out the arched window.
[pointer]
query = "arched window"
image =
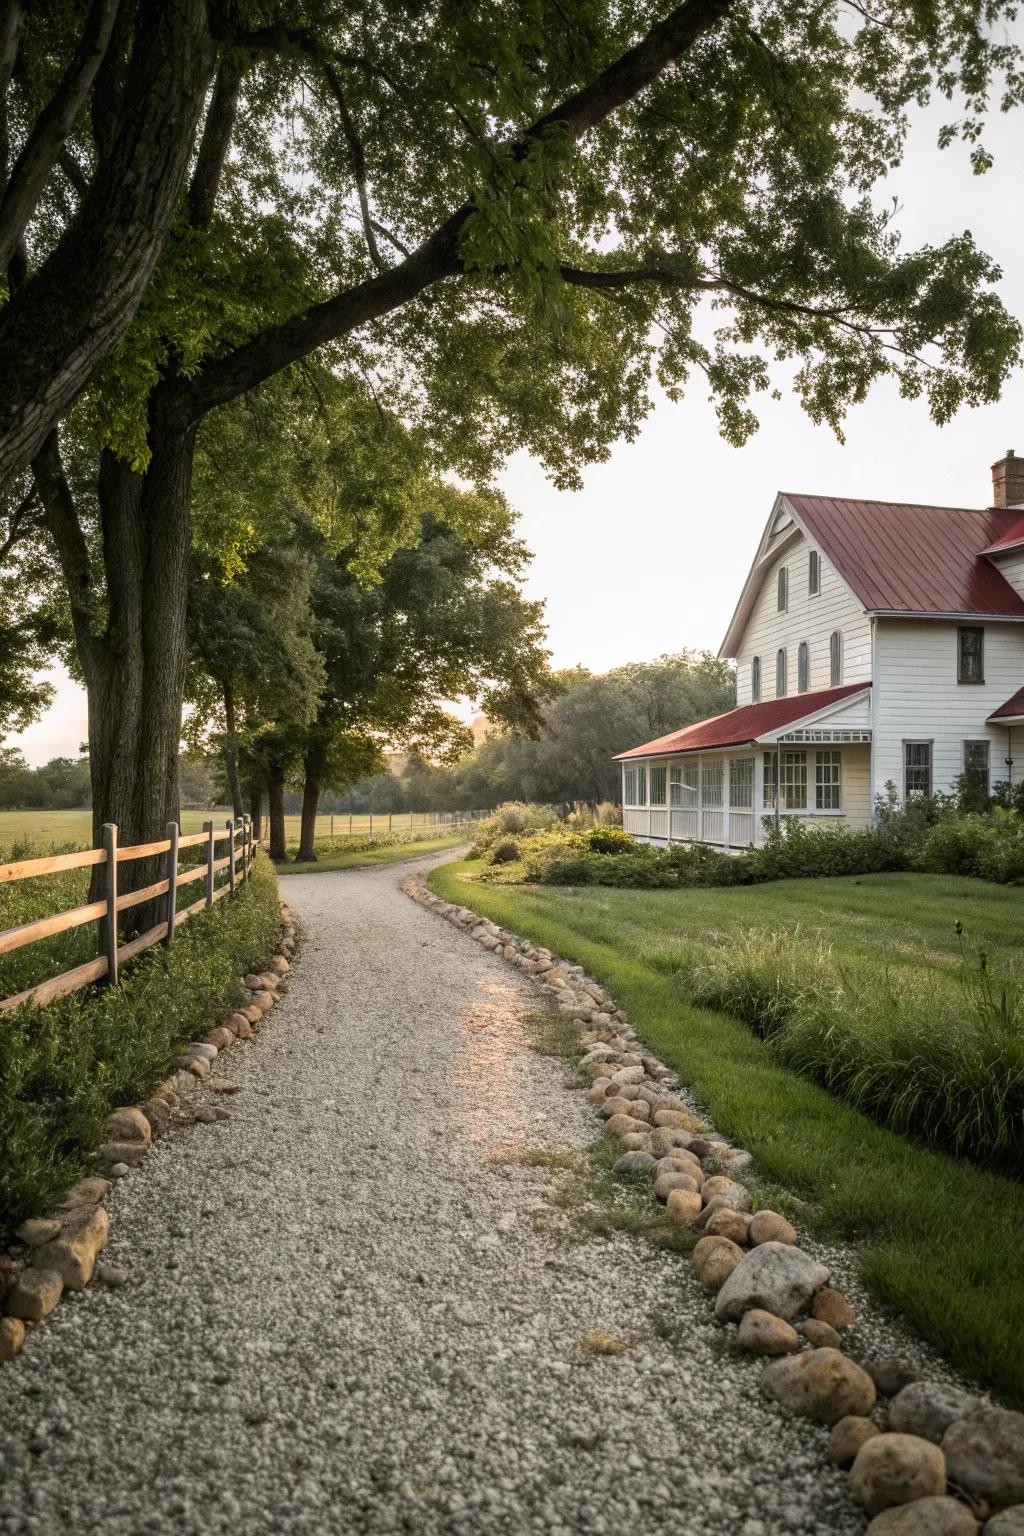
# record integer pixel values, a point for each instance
(813, 574)
(780, 675)
(755, 680)
(803, 667)
(783, 589)
(835, 658)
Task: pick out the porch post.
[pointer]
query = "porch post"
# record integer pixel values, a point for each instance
(668, 802)
(727, 803)
(700, 797)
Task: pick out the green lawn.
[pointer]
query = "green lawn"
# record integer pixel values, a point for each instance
(356, 858)
(938, 1237)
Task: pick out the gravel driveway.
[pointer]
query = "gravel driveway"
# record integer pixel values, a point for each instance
(348, 1311)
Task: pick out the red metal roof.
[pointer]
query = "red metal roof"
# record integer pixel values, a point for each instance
(903, 558)
(743, 725)
(1009, 538)
(1013, 706)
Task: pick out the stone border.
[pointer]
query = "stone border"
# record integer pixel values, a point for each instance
(59, 1252)
(945, 1461)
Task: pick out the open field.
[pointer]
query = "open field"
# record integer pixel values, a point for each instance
(76, 826)
(937, 1236)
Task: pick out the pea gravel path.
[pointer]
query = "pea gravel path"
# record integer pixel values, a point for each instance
(347, 1313)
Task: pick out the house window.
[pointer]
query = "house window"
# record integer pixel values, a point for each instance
(783, 589)
(711, 783)
(976, 764)
(659, 775)
(827, 786)
(768, 794)
(803, 667)
(970, 654)
(741, 783)
(629, 792)
(813, 574)
(780, 675)
(917, 768)
(755, 680)
(793, 780)
(675, 785)
(641, 786)
(683, 784)
(835, 658)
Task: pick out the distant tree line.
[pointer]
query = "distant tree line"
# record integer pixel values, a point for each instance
(593, 716)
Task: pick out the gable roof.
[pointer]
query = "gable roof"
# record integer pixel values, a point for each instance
(899, 557)
(744, 725)
(1013, 709)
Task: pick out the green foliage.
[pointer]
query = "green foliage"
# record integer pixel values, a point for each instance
(513, 817)
(66, 1066)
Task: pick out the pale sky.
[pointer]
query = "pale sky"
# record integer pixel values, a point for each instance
(649, 557)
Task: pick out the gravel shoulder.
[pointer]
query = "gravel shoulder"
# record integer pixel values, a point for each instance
(348, 1309)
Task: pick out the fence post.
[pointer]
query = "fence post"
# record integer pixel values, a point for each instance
(371, 820)
(172, 880)
(389, 820)
(208, 829)
(109, 925)
(232, 828)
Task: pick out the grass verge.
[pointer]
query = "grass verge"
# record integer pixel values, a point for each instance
(938, 1238)
(63, 1068)
(357, 858)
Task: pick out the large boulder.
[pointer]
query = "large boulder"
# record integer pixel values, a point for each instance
(896, 1469)
(985, 1455)
(74, 1253)
(770, 1227)
(774, 1276)
(937, 1515)
(762, 1333)
(820, 1384)
(36, 1292)
(714, 1259)
(128, 1124)
(928, 1408)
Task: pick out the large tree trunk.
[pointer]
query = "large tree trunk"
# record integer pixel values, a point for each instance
(256, 812)
(275, 799)
(231, 753)
(134, 669)
(69, 315)
(310, 802)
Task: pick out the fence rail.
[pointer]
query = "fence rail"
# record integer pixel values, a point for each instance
(343, 823)
(237, 833)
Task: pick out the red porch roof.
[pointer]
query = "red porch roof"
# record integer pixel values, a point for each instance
(743, 725)
(1013, 707)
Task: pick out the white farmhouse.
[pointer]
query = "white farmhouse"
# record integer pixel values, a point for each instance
(873, 642)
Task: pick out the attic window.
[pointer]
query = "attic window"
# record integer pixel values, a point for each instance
(755, 680)
(783, 589)
(835, 658)
(814, 574)
(803, 667)
(780, 675)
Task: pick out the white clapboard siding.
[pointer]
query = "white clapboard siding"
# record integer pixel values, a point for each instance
(807, 618)
(1012, 567)
(919, 698)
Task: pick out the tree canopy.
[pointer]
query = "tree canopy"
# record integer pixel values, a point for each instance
(502, 226)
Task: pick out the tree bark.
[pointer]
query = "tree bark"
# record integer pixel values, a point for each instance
(256, 812)
(307, 833)
(134, 669)
(231, 753)
(69, 315)
(275, 806)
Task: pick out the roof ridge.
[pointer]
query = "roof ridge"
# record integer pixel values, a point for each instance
(881, 501)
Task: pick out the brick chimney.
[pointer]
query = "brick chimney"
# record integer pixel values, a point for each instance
(1008, 481)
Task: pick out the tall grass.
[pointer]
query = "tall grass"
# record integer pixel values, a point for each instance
(937, 1054)
(65, 1066)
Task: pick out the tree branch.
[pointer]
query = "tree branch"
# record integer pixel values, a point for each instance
(52, 127)
(216, 141)
(73, 171)
(358, 158)
(437, 257)
(62, 523)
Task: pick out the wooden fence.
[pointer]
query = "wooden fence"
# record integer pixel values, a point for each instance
(237, 861)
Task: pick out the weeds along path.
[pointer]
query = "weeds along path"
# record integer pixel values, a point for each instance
(355, 1307)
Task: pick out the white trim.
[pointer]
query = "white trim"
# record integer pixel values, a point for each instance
(953, 617)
